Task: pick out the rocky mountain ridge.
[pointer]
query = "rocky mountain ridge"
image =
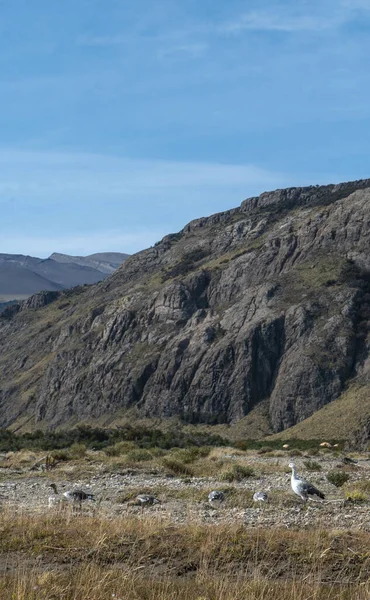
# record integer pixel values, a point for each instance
(265, 303)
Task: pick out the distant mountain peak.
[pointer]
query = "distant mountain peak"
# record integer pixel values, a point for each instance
(105, 262)
(22, 276)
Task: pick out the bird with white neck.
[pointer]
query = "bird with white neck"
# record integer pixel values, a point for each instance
(304, 489)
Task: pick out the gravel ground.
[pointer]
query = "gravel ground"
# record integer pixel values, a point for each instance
(185, 500)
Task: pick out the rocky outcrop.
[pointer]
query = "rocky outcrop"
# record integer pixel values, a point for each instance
(267, 302)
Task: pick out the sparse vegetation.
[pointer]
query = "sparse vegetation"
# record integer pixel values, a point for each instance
(236, 473)
(139, 455)
(186, 263)
(176, 467)
(312, 465)
(356, 496)
(77, 450)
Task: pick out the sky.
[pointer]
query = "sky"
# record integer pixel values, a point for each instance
(123, 120)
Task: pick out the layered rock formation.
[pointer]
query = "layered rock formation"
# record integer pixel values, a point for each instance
(266, 302)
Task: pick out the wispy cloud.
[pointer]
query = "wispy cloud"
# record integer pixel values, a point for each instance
(272, 21)
(192, 50)
(74, 200)
(329, 15)
(36, 173)
(101, 40)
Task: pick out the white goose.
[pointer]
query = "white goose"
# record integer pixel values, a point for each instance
(303, 488)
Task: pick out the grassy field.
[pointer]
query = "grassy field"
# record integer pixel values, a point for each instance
(67, 556)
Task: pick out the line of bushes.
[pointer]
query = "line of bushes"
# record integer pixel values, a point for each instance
(142, 437)
(96, 438)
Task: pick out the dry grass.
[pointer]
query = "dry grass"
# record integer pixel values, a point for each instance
(77, 557)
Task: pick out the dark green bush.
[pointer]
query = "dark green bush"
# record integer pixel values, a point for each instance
(337, 478)
(99, 439)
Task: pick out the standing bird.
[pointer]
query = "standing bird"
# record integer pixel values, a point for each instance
(260, 497)
(56, 498)
(216, 498)
(303, 488)
(78, 496)
(73, 496)
(146, 500)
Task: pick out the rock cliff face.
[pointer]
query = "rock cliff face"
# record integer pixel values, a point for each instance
(266, 302)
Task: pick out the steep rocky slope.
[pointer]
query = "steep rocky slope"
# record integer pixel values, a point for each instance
(268, 302)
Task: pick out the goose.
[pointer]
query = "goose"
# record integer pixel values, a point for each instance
(78, 496)
(303, 488)
(56, 498)
(71, 495)
(260, 497)
(146, 500)
(216, 498)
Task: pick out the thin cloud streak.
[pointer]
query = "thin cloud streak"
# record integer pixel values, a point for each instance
(331, 16)
(41, 173)
(192, 50)
(75, 199)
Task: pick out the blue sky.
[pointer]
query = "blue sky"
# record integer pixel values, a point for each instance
(122, 120)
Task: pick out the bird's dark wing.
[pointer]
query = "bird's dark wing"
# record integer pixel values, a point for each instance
(81, 495)
(311, 490)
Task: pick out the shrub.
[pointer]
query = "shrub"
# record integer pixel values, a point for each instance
(242, 445)
(236, 473)
(295, 452)
(337, 478)
(119, 448)
(176, 467)
(190, 455)
(312, 465)
(356, 496)
(313, 452)
(139, 455)
(60, 455)
(157, 452)
(265, 449)
(77, 450)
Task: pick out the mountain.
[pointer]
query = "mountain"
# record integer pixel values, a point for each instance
(22, 276)
(260, 310)
(105, 262)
